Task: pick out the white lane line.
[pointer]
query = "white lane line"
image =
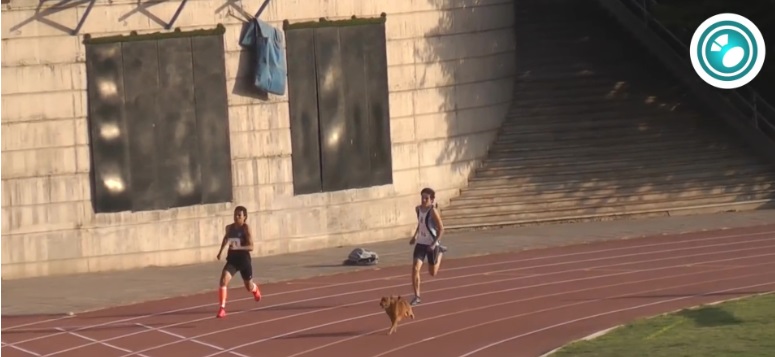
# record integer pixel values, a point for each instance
(97, 341)
(219, 348)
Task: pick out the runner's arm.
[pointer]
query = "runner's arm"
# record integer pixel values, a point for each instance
(437, 219)
(417, 228)
(224, 241)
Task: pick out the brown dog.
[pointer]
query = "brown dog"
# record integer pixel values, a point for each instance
(397, 309)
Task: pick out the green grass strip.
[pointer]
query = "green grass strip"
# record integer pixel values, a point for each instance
(739, 328)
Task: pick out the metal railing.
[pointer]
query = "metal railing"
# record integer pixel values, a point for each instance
(745, 99)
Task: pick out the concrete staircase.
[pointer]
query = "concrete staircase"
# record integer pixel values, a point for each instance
(598, 130)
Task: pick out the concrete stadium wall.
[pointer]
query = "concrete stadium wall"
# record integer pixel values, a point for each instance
(450, 72)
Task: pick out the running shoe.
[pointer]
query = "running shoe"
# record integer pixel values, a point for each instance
(415, 301)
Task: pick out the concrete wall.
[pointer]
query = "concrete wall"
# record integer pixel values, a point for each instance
(451, 65)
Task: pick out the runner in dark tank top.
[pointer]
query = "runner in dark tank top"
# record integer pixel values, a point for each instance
(237, 238)
(240, 242)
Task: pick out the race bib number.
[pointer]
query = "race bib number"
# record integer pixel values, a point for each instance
(235, 242)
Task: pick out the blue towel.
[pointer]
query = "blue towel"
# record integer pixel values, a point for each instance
(267, 43)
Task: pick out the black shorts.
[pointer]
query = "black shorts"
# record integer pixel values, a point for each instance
(241, 264)
(421, 252)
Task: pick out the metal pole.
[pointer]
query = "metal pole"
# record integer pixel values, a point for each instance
(755, 110)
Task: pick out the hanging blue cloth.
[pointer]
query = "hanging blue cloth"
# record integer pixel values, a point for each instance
(267, 43)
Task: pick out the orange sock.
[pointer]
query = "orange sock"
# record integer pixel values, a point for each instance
(222, 296)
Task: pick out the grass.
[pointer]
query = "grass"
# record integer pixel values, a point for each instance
(740, 328)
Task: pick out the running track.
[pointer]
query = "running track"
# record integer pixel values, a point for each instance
(516, 304)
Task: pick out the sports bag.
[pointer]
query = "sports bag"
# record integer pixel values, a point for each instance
(361, 256)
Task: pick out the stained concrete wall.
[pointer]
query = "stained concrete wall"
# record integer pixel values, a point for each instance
(451, 65)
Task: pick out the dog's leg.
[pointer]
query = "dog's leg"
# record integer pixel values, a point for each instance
(393, 325)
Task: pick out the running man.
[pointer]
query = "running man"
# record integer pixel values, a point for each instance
(240, 243)
(426, 240)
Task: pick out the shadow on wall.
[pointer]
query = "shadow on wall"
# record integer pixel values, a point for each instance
(467, 75)
(243, 85)
(42, 15)
(595, 121)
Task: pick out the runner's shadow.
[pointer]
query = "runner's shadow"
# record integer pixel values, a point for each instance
(296, 307)
(664, 296)
(324, 334)
(690, 294)
(80, 328)
(190, 313)
(10, 319)
(327, 265)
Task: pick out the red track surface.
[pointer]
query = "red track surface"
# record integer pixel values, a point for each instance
(515, 304)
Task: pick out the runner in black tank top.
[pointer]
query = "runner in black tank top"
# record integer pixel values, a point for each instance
(240, 243)
(237, 237)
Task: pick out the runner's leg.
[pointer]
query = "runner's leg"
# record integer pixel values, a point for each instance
(226, 274)
(420, 252)
(246, 271)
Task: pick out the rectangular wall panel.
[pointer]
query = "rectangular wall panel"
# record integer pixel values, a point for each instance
(375, 59)
(303, 110)
(109, 140)
(141, 86)
(159, 123)
(212, 118)
(334, 134)
(177, 139)
(357, 148)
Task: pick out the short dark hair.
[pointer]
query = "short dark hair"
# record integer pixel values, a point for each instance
(429, 191)
(243, 210)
